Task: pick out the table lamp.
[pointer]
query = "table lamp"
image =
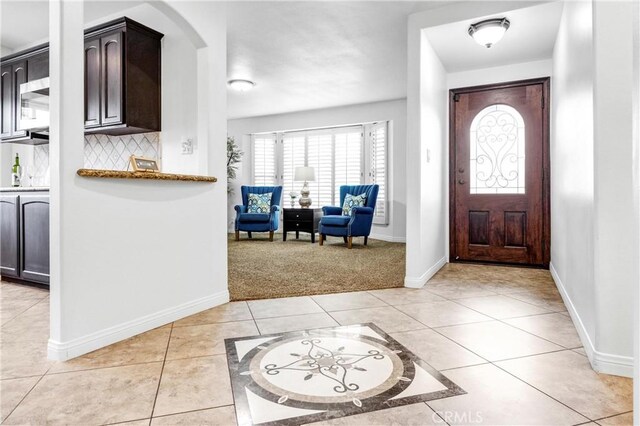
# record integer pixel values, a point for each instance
(305, 174)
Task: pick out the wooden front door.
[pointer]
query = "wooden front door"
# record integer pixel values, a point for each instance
(499, 173)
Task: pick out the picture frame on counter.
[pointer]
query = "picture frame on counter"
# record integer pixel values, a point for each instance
(141, 164)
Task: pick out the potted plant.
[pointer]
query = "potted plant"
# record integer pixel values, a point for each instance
(234, 155)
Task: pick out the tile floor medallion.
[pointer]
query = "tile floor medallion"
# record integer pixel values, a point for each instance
(305, 376)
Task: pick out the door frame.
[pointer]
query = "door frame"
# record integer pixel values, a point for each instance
(546, 163)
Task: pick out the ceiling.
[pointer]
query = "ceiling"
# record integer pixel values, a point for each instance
(26, 22)
(530, 37)
(307, 55)
(310, 55)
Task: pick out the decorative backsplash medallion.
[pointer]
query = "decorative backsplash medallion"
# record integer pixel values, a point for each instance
(113, 152)
(307, 376)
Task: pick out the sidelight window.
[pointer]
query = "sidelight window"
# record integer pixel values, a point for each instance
(497, 151)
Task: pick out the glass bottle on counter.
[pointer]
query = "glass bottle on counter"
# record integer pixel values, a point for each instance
(16, 172)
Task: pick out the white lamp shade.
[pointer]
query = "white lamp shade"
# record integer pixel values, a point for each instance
(304, 174)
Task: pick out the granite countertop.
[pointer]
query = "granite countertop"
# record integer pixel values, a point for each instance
(116, 174)
(24, 188)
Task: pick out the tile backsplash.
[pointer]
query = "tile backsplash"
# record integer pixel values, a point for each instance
(41, 165)
(102, 152)
(113, 152)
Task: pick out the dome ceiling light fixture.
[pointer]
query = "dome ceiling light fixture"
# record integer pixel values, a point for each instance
(241, 85)
(489, 32)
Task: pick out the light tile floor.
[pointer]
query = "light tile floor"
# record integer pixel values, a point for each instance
(502, 334)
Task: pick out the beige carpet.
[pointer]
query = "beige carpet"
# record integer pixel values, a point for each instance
(260, 269)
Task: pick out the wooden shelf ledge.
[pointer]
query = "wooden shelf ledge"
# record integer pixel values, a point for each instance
(116, 174)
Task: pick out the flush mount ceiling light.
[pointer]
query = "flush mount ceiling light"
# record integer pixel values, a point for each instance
(241, 85)
(489, 32)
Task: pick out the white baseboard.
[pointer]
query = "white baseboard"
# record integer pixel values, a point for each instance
(62, 351)
(418, 282)
(601, 362)
(388, 238)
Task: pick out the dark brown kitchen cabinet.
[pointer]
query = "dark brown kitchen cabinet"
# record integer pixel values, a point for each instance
(9, 227)
(24, 248)
(34, 238)
(19, 68)
(5, 101)
(126, 70)
(19, 71)
(13, 75)
(122, 81)
(92, 82)
(38, 66)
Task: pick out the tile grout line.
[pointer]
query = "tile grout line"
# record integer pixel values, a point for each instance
(518, 378)
(191, 411)
(164, 361)
(541, 391)
(106, 367)
(22, 312)
(27, 394)
(513, 326)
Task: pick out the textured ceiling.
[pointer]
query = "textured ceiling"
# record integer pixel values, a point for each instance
(309, 55)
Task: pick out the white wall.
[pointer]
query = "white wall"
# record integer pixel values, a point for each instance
(636, 160)
(426, 162)
(572, 162)
(4, 51)
(616, 245)
(128, 256)
(395, 110)
(594, 249)
(501, 74)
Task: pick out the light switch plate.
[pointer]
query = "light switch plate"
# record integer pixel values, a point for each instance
(187, 146)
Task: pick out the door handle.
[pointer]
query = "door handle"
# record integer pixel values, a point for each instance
(461, 170)
(461, 181)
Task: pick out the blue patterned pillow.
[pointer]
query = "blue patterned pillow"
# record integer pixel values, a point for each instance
(351, 201)
(259, 203)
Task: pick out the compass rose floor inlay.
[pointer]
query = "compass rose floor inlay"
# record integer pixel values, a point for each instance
(306, 376)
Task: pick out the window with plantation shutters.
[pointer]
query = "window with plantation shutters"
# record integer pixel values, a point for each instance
(378, 168)
(293, 155)
(264, 159)
(320, 157)
(348, 155)
(348, 160)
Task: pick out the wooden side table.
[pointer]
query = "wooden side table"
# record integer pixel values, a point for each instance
(300, 220)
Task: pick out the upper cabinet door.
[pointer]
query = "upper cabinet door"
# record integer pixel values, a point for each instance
(112, 52)
(38, 66)
(5, 101)
(19, 71)
(92, 83)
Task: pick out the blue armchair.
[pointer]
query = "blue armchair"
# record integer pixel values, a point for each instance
(334, 223)
(258, 222)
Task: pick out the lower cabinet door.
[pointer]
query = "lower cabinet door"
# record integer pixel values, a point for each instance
(9, 243)
(34, 250)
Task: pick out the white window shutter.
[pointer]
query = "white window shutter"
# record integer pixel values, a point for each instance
(264, 159)
(348, 159)
(293, 155)
(378, 142)
(320, 157)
